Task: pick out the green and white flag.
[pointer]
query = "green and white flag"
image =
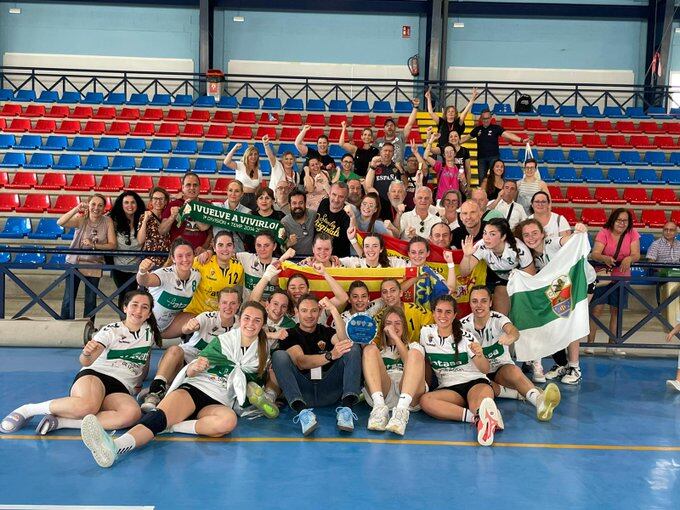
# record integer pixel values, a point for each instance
(233, 221)
(550, 309)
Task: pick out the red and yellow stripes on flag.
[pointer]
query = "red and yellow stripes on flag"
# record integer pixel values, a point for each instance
(345, 276)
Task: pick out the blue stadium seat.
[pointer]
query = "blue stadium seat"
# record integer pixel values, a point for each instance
(7, 141)
(591, 111)
(265, 167)
(30, 259)
(630, 158)
(250, 103)
(186, 147)
(294, 105)
(501, 109)
(271, 103)
(70, 97)
(138, 100)
(13, 160)
(40, 161)
(478, 108)
(569, 111)
(160, 100)
(229, 102)
(580, 157)
(122, 164)
(55, 143)
(318, 105)
(636, 112)
(506, 154)
(69, 234)
(358, 106)
(606, 157)
(513, 172)
(620, 176)
(108, 144)
(6, 95)
(16, 228)
(613, 112)
(675, 158)
(554, 156)
(4, 256)
(115, 98)
(522, 153)
(56, 261)
(546, 110)
(240, 152)
(24, 95)
(546, 175)
(185, 100)
(81, 144)
(566, 174)
(399, 107)
(658, 112)
(96, 163)
(336, 152)
(48, 96)
(382, 107)
(656, 158)
(669, 176)
(134, 145)
(160, 146)
(287, 147)
(67, 162)
(260, 150)
(594, 175)
(212, 148)
(151, 164)
(29, 142)
(47, 229)
(646, 240)
(340, 106)
(647, 176)
(178, 164)
(205, 166)
(93, 98)
(204, 102)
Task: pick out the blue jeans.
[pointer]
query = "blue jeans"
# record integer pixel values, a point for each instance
(90, 297)
(484, 166)
(341, 380)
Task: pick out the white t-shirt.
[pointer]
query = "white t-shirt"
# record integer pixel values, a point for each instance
(551, 245)
(360, 262)
(497, 354)
(517, 215)
(253, 270)
(411, 219)
(211, 326)
(509, 259)
(125, 353)
(450, 369)
(556, 224)
(172, 295)
(242, 176)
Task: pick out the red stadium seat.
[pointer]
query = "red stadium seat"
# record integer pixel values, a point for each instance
(140, 183)
(544, 140)
(511, 124)
(641, 142)
(567, 140)
(11, 110)
(316, 119)
(603, 126)
(52, 181)
(592, 141)
(556, 195)
(675, 216)
(636, 222)
(223, 117)
(568, 213)
(152, 114)
(193, 130)
(334, 135)
(608, 196)
(336, 120)
(129, 113)
(81, 182)
(199, 116)
(176, 115)
(64, 203)
(3, 179)
(217, 131)
(270, 131)
(37, 203)
(170, 183)
(664, 142)
(3, 125)
(81, 112)
(557, 125)
(593, 217)
(8, 202)
(221, 185)
(119, 128)
(650, 127)
(269, 119)
(313, 135)
(292, 119)
(45, 126)
(580, 195)
(534, 125)
(19, 126)
(665, 196)
(581, 126)
(671, 127)
(110, 182)
(247, 118)
(205, 187)
(356, 137)
(361, 121)
(626, 126)
(93, 127)
(144, 129)
(22, 180)
(288, 134)
(637, 196)
(105, 113)
(34, 110)
(58, 112)
(170, 129)
(654, 218)
(617, 142)
(242, 132)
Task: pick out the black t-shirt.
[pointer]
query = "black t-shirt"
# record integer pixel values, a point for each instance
(459, 234)
(335, 224)
(487, 140)
(445, 129)
(325, 158)
(362, 158)
(317, 342)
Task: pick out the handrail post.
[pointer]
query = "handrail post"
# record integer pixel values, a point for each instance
(2, 295)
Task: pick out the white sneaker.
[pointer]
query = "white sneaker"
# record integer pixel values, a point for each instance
(98, 441)
(547, 401)
(487, 422)
(615, 351)
(573, 376)
(673, 384)
(378, 418)
(398, 421)
(555, 372)
(589, 350)
(538, 375)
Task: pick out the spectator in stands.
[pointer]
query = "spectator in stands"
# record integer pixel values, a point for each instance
(493, 183)
(126, 213)
(281, 194)
(346, 171)
(472, 224)
(320, 153)
(320, 188)
(265, 205)
(396, 195)
(312, 169)
(487, 136)
(95, 232)
(448, 210)
(195, 233)
(506, 205)
(362, 155)
(451, 173)
(248, 172)
(440, 235)
(479, 196)
(617, 246)
(416, 173)
(381, 172)
(530, 184)
(666, 249)
(356, 192)
(554, 225)
(333, 220)
(367, 217)
(450, 121)
(233, 203)
(420, 220)
(398, 141)
(283, 170)
(322, 253)
(299, 224)
(148, 231)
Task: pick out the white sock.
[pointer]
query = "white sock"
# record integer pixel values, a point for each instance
(468, 416)
(31, 410)
(68, 423)
(404, 401)
(573, 364)
(161, 378)
(124, 443)
(532, 396)
(507, 393)
(378, 399)
(185, 427)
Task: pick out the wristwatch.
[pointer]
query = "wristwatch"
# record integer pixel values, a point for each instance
(329, 355)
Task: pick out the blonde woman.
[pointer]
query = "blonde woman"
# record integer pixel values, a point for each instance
(248, 173)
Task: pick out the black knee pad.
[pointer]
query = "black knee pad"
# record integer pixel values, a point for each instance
(155, 421)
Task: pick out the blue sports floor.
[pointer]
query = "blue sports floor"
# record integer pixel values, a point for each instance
(614, 442)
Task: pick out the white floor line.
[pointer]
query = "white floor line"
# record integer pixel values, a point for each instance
(73, 507)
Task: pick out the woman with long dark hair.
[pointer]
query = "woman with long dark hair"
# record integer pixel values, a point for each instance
(493, 183)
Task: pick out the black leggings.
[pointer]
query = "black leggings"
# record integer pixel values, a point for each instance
(560, 358)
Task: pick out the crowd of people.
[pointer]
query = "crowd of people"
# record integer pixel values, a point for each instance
(249, 341)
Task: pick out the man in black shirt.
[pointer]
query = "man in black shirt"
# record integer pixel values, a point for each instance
(317, 366)
(487, 136)
(333, 220)
(471, 218)
(381, 172)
